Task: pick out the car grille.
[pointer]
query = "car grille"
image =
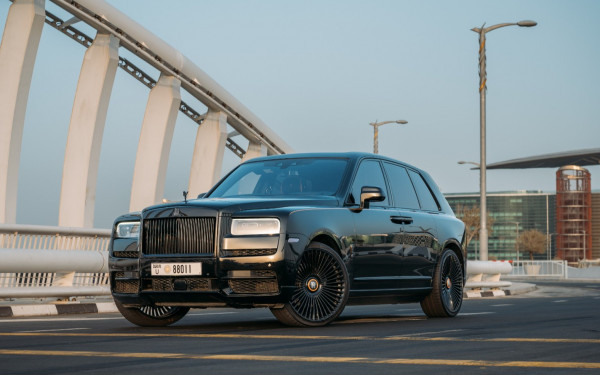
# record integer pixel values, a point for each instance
(179, 235)
(258, 286)
(248, 252)
(168, 284)
(124, 286)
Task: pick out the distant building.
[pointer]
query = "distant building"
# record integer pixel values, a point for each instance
(517, 211)
(573, 226)
(512, 213)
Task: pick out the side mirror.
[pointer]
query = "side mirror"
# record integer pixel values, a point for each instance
(369, 194)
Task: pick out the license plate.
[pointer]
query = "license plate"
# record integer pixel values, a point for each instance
(176, 269)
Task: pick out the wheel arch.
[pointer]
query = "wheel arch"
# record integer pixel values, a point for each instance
(455, 246)
(329, 240)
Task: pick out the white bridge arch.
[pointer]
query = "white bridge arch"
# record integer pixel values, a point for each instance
(20, 41)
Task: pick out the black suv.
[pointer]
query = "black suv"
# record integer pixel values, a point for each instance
(302, 234)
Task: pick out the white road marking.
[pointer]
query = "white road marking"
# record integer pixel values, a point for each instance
(477, 313)
(49, 318)
(428, 333)
(54, 330)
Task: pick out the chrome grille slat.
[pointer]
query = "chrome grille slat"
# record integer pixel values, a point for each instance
(179, 235)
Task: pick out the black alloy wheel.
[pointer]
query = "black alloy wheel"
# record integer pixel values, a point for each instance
(321, 289)
(445, 300)
(152, 316)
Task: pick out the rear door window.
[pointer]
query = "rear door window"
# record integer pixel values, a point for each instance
(401, 187)
(426, 199)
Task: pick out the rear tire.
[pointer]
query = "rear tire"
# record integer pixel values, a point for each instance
(152, 316)
(445, 299)
(321, 290)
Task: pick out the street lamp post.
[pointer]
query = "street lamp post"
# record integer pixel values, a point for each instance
(483, 232)
(375, 126)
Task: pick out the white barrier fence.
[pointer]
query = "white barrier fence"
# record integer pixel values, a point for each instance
(486, 274)
(557, 269)
(45, 261)
(540, 268)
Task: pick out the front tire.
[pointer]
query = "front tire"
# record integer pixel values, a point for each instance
(152, 316)
(321, 289)
(445, 299)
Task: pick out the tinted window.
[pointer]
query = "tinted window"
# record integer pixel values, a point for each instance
(401, 187)
(305, 176)
(427, 200)
(369, 174)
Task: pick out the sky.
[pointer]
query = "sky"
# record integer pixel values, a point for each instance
(318, 72)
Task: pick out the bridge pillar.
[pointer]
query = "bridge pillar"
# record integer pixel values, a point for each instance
(155, 143)
(255, 150)
(82, 154)
(18, 50)
(207, 160)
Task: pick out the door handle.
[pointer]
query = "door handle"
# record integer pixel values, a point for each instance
(401, 219)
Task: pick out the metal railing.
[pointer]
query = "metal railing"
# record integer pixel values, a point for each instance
(558, 269)
(46, 261)
(540, 268)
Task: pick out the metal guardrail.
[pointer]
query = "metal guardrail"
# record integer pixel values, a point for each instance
(47, 261)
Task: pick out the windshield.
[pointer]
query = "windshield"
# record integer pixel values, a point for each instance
(305, 176)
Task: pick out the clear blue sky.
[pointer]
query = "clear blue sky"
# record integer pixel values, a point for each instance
(317, 72)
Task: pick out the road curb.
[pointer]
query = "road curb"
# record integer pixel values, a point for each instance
(487, 293)
(57, 309)
(514, 289)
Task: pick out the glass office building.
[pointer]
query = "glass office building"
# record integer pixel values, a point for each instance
(512, 213)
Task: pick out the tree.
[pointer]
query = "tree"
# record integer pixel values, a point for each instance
(470, 216)
(532, 241)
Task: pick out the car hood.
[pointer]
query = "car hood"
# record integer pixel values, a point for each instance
(232, 205)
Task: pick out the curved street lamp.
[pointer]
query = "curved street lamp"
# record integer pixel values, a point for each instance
(483, 233)
(469, 162)
(375, 126)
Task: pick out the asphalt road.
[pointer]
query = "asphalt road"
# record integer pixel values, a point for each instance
(553, 330)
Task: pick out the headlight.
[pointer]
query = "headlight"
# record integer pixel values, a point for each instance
(128, 229)
(244, 227)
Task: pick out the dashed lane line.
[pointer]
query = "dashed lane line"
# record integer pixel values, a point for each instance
(275, 358)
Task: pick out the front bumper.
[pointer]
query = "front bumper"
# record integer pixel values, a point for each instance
(233, 278)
